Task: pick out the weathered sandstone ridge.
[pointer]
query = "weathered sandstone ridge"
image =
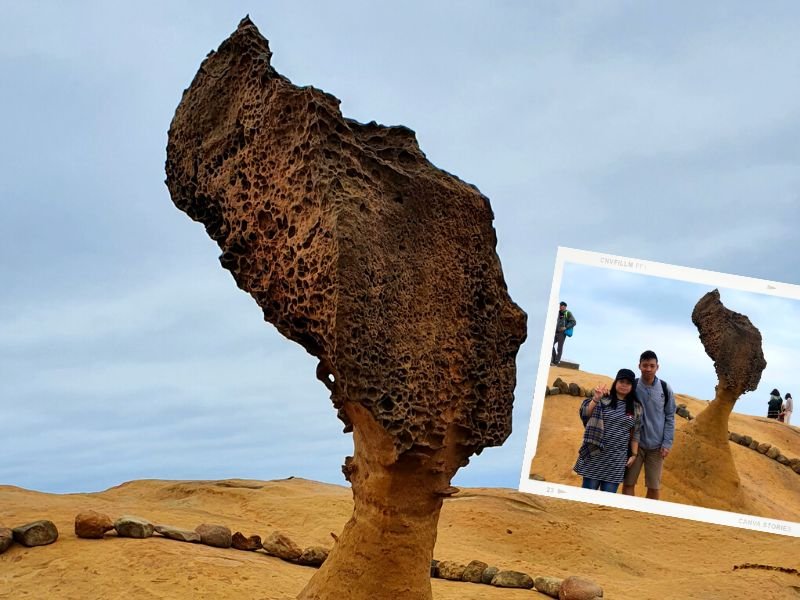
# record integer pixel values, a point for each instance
(380, 265)
(734, 344)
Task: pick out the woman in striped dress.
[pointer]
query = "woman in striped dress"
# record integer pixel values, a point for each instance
(612, 420)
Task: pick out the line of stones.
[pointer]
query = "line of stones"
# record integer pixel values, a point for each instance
(571, 588)
(766, 449)
(94, 525)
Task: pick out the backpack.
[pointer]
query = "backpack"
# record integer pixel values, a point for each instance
(567, 332)
(663, 388)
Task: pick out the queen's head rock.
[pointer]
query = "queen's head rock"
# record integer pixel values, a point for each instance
(378, 263)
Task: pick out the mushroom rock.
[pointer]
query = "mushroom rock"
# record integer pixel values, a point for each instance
(734, 344)
(701, 458)
(380, 265)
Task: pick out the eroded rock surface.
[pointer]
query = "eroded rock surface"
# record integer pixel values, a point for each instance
(732, 342)
(380, 265)
(354, 246)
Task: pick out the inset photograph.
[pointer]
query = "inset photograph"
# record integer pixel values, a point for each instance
(662, 388)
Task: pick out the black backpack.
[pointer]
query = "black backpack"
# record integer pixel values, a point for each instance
(663, 388)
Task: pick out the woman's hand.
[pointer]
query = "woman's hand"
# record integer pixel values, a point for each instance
(631, 458)
(599, 392)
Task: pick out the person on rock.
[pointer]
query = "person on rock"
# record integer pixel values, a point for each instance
(612, 421)
(564, 324)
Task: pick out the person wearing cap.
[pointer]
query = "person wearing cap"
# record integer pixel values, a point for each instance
(565, 321)
(612, 421)
(658, 428)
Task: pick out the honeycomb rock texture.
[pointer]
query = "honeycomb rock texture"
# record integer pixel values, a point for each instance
(355, 246)
(732, 342)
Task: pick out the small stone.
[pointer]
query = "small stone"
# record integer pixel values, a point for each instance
(746, 440)
(38, 533)
(90, 524)
(313, 556)
(794, 461)
(217, 536)
(782, 459)
(574, 389)
(133, 527)
(434, 568)
(488, 575)
(563, 386)
(576, 588)
(250, 544)
(512, 579)
(548, 585)
(773, 452)
(451, 570)
(6, 539)
(735, 437)
(537, 477)
(554, 391)
(181, 535)
(278, 544)
(763, 447)
(474, 570)
(796, 468)
(754, 444)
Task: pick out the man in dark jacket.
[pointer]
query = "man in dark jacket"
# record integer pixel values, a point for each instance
(565, 321)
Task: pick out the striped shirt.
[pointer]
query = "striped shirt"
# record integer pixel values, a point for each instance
(609, 463)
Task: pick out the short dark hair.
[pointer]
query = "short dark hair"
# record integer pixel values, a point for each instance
(775, 392)
(562, 303)
(647, 355)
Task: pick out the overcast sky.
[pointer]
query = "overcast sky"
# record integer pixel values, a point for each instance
(620, 314)
(660, 131)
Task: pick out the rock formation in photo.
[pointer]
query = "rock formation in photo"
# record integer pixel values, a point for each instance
(702, 459)
(380, 265)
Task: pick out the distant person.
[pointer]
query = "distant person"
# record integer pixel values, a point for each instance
(788, 406)
(564, 324)
(774, 404)
(611, 423)
(658, 428)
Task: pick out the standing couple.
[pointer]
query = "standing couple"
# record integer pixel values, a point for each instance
(626, 428)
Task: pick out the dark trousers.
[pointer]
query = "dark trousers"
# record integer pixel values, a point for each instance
(559, 342)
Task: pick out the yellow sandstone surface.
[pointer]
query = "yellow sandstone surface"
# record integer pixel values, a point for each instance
(631, 555)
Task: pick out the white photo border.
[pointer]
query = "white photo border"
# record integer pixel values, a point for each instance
(659, 507)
